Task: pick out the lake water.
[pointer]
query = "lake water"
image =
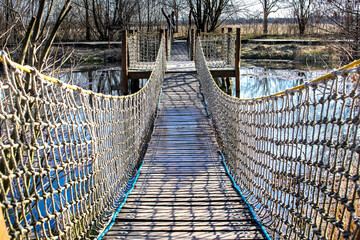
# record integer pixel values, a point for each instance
(255, 81)
(260, 81)
(99, 80)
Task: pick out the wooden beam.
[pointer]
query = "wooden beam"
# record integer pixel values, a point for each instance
(223, 73)
(124, 64)
(198, 31)
(237, 60)
(3, 230)
(161, 34)
(135, 85)
(139, 74)
(166, 43)
(192, 39)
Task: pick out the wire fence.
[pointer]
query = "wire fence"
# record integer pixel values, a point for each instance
(68, 154)
(294, 154)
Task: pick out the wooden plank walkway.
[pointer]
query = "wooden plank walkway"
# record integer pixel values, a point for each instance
(183, 191)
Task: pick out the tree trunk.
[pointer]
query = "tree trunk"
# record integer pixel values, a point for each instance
(266, 21)
(87, 22)
(302, 26)
(148, 16)
(139, 13)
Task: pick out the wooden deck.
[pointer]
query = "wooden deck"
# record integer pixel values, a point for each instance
(183, 191)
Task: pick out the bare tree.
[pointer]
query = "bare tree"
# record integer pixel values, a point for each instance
(269, 6)
(207, 13)
(39, 24)
(30, 28)
(345, 15)
(302, 10)
(87, 19)
(176, 6)
(106, 13)
(13, 24)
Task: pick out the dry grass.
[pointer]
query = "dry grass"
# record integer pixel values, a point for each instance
(277, 29)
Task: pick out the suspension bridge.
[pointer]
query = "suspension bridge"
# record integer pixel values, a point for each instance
(179, 158)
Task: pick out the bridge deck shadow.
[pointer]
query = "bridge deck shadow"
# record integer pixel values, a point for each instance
(183, 191)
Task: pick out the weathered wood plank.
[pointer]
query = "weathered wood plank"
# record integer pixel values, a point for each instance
(183, 191)
(201, 235)
(153, 226)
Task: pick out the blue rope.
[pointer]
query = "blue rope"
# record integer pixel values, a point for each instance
(129, 191)
(121, 205)
(238, 188)
(244, 199)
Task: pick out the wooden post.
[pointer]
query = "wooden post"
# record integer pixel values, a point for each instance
(3, 230)
(357, 234)
(237, 61)
(198, 31)
(166, 43)
(108, 33)
(135, 85)
(229, 30)
(124, 64)
(192, 37)
(189, 33)
(161, 34)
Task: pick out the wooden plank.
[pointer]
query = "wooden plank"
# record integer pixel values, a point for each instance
(124, 64)
(248, 235)
(222, 73)
(180, 192)
(183, 190)
(3, 230)
(133, 74)
(153, 226)
(184, 216)
(184, 204)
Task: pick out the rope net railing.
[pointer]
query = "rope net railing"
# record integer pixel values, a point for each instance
(142, 50)
(219, 50)
(294, 154)
(68, 155)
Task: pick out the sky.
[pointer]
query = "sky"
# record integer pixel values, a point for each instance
(254, 7)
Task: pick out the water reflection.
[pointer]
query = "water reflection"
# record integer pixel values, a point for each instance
(105, 81)
(259, 81)
(255, 81)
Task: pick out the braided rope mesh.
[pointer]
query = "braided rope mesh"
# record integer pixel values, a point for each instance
(219, 50)
(68, 154)
(143, 48)
(295, 155)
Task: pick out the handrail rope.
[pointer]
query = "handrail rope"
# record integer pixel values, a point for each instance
(135, 119)
(29, 69)
(112, 220)
(238, 189)
(236, 186)
(274, 149)
(302, 86)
